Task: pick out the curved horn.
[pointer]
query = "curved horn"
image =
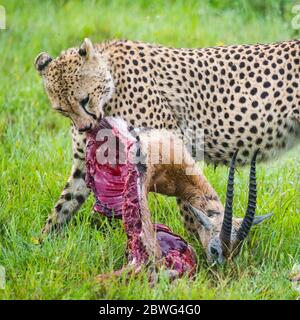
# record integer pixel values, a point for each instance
(250, 213)
(225, 234)
(201, 217)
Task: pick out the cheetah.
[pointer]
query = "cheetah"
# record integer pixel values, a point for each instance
(242, 97)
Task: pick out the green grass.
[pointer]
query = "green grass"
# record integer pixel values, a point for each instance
(35, 157)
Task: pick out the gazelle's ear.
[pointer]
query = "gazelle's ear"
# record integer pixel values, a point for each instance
(260, 219)
(87, 49)
(201, 217)
(256, 220)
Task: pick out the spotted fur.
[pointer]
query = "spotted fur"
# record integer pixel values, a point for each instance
(241, 96)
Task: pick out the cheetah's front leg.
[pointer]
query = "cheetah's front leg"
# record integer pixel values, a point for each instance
(75, 191)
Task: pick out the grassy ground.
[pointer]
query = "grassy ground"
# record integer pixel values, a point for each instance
(36, 156)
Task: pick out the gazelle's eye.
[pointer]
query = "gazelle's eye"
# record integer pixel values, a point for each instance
(84, 101)
(214, 251)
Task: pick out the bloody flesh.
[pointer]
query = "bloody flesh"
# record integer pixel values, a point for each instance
(120, 193)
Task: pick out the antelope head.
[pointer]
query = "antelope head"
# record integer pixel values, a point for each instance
(223, 238)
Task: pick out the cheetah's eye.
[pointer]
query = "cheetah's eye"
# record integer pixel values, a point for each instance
(84, 101)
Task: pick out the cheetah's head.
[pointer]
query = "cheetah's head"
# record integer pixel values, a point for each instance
(223, 240)
(78, 83)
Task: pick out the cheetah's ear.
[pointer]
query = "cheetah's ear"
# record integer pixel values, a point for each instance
(42, 61)
(87, 49)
